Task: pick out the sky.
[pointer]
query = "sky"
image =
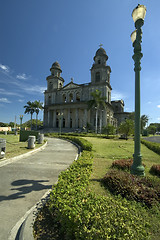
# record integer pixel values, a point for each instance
(36, 33)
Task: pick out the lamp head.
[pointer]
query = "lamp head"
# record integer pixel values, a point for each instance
(139, 12)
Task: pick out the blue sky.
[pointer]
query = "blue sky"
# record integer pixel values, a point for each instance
(36, 33)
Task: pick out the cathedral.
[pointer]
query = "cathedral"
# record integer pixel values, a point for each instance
(66, 106)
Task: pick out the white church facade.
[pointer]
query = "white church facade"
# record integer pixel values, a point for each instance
(67, 105)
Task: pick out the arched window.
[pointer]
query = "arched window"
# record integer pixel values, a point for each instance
(97, 76)
(49, 100)
(77, 97)
(63, 122)
(57, 122)
(70, 122)
(70, 97)
(64, 98)
(99, 61)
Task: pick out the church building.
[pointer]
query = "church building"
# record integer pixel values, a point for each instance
(66, 106)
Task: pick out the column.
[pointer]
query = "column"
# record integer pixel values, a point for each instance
(85, 118)
(76, 118)
(68, 118)
(54, 118)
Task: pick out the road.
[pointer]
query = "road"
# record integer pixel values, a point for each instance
(153, 139)
(24, 182)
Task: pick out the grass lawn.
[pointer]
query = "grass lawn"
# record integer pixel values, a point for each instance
(105, 152)
(14, 147)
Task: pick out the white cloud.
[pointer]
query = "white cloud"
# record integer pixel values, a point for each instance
(8, 93)
(158, 106)
(22, 76)
(20, 100)
(4, 68)
(117, 95)
(4, 100)
(36, 89)
(20, 85)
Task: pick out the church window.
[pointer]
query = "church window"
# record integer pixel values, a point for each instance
(77, 97)
(63, 122)
(49, 100)
(57, 122)
(71, 123)
(99, 61)
(64, 98)
(97, 76)
(60, 85)
(70, 97)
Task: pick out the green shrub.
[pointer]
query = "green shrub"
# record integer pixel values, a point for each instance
(155, 170)
(83, 215)
(123, 164)
(155, 147)
(25, 134)
(143, 190)
(83, 143)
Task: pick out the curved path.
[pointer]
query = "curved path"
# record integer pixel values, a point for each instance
(24, 182)
(155, 139)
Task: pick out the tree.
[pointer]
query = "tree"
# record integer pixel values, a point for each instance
(2, 124)
(30, 109)
(28, 123)
(144, 121)
(98, 103)
(109, 130)
(37, 107)
(11, 124)
(126, 128)
(153, 128)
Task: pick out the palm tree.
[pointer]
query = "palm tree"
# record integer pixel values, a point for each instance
(37, 106)
(144, 121)
(30, 109)
(97, 102)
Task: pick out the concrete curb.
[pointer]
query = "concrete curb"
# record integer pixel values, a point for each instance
(23, 230)
(16, 158)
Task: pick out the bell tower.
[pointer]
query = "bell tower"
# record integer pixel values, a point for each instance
(55, 81)
(100, 72)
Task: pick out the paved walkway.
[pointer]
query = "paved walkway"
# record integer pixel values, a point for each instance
(24, 182)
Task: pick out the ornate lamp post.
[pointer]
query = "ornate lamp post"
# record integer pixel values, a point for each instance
(60, 115)
(21, 117)
(138, 15)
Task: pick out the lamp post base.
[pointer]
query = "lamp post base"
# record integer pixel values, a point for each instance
(137, 168)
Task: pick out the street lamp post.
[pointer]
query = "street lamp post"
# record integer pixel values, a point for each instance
(138, 15)
(21, 117)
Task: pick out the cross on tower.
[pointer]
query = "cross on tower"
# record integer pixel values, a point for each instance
(101, 45)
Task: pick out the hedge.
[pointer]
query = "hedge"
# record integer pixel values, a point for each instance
(155, 147)
(25, 134)
(83, 215)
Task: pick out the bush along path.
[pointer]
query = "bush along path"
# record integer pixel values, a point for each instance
(74, 212)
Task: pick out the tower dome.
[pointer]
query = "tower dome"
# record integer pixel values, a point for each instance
(56, 65)
(101, 53)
